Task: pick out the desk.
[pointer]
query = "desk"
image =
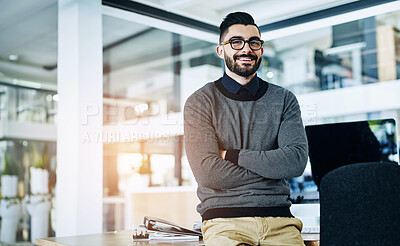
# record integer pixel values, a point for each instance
(123, 238)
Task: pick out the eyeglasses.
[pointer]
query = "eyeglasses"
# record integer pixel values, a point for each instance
(239, 43)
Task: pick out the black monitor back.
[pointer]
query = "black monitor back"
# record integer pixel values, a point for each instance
(335, 145)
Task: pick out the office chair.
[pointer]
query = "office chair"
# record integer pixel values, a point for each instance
(360, 205)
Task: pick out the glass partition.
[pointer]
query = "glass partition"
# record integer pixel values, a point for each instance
(148, 75)
(27, 105)
(350, 54)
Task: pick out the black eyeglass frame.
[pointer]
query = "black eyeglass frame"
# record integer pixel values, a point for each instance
(244, 42)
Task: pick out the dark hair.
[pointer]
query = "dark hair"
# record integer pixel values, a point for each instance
(235, 18)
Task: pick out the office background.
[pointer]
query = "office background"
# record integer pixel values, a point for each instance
(98, 88)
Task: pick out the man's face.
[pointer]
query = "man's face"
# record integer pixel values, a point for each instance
(246, 61)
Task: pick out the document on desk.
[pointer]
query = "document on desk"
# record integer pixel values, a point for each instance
(142, 234)
(166, 236)
(158, 229)
(159, 225)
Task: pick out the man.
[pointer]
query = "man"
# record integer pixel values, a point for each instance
(243, 138)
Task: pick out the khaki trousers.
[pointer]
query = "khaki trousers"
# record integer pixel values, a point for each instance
(252, 231)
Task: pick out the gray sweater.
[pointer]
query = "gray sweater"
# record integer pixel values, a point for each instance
(269, 140)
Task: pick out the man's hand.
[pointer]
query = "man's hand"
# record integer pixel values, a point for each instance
(222, 154)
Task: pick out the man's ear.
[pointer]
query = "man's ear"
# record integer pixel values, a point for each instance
(262, 50)
(220, 51)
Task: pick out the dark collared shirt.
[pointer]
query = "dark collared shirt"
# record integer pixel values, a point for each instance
(234, 87)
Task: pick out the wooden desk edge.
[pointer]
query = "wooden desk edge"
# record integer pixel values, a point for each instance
(309, 239)
(47, 242)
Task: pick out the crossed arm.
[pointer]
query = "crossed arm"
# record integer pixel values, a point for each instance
(213, 171)
(210, 170)
(288, 160)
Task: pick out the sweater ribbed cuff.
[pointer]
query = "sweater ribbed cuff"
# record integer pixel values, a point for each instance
(232, 155)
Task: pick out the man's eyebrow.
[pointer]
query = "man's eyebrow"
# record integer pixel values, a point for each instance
(236, 37)
(240, 37)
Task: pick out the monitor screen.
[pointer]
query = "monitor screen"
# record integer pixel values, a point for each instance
(334, 145)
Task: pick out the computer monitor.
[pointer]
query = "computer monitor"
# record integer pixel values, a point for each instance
(338, 144)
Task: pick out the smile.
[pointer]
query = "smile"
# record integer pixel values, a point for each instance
(245, 59)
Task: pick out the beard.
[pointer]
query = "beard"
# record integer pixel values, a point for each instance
(245, 71)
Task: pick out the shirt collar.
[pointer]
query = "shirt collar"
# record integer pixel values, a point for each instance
(233, 87)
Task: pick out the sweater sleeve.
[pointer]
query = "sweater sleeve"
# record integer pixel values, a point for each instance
(290, 158)
(209, 169)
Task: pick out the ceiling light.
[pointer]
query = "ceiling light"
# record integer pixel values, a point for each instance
(345, 48)
(13, 57)
(140, 108)
(56, 97)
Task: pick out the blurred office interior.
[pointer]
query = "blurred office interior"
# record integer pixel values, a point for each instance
(340, 58)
